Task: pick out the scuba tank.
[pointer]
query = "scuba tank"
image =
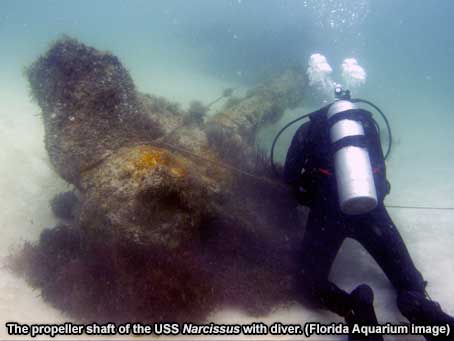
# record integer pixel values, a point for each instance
(352, 166)
(355, 180)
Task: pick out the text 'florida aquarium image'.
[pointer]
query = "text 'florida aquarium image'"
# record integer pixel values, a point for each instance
(227, 170)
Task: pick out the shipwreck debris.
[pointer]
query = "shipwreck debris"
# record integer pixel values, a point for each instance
(163, 230)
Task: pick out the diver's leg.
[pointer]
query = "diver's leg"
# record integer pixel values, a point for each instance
(322, 239)
(378, 234)
(380, 237)
(420, 310)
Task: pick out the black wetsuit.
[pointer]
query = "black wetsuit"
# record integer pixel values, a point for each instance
(309, 170)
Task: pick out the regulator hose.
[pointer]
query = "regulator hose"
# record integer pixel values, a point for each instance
(388, 127)
(273, 167)
(355, 100)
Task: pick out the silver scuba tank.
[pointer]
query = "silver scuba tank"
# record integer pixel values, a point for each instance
(352, 166)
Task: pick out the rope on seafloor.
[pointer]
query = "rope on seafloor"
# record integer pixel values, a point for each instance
(269, 181)
(421, 207)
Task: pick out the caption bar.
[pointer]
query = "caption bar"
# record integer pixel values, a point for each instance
(257, 328)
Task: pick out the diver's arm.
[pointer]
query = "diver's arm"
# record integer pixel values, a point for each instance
(296, 157)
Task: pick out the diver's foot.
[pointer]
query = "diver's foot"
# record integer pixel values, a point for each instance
(362, 313)
(421, 311)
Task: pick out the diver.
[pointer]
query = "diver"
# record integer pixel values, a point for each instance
(336, 166)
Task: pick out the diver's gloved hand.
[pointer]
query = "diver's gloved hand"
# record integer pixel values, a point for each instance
(418, 309)
(362, 312)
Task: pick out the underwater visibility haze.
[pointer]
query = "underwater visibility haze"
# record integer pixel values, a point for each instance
(136, 182)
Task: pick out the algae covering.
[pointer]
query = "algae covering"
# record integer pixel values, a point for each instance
(172, 215)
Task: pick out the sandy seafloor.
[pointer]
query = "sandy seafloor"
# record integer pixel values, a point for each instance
(420, 169)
